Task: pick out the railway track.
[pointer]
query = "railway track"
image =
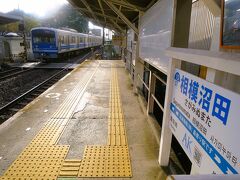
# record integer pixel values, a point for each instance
(18, 103)
(3, 73)
(14, 106)
(12, 73)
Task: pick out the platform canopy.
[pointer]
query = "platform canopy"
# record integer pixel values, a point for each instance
(6, 18)
(114, 14)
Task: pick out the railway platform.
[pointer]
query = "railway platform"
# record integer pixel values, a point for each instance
(87, 125)
(38, 65)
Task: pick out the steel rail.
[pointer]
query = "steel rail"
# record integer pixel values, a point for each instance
(14, 74)
(8, 71)
(14, 102)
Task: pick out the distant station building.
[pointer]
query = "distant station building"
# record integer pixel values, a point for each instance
(11, 44)
(96, 32)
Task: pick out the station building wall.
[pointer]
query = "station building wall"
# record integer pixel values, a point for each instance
(201, 26)
(156, 34)
(204, 34)
(160, 27)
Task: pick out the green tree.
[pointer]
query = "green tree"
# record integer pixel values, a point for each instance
(69, 17)
(30, 22)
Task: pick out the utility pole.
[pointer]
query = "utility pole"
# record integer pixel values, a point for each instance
(25, 46)
(103, 42)
(21, 28)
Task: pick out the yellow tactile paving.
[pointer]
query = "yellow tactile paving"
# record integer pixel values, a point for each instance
(42, 158)
(112, 160)
(38, 162)
(116, 126)
(70, 168)
(105, 161)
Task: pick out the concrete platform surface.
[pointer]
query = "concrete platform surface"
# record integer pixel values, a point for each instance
(38, 65)
(88, 124)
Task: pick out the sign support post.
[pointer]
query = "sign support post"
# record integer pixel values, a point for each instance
(152, 84)
(166, 134)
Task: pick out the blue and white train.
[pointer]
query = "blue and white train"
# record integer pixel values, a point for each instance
(51, 43)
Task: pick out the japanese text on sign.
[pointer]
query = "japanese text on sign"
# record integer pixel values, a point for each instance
(204, 114)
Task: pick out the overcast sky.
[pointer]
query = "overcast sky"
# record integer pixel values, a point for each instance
(40, 8)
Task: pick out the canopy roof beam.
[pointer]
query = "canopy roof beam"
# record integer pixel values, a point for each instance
(98, 14)
(150, 4)
(100, 4)
(120, 8)
(89, 9)
(117, 26)
(126, 5)
(121, 15)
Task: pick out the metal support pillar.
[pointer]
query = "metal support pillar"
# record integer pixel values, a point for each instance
(152, 84)
(139, 68)
(166, 134)
(25, 46)
(103, 42)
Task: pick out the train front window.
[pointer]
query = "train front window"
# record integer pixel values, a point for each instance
(43, 37)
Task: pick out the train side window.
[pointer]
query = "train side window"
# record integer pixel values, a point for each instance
(73, 40)
(62, 39)
(65, 40)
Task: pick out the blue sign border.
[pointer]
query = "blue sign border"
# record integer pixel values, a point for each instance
(223, 164)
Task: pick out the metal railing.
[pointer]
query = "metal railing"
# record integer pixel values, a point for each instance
(160, 79)
(152, 95)
(146, 86)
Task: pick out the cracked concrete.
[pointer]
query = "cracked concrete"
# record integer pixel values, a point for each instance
(89, 125)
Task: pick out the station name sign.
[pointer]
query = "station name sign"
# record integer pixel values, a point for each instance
(205, 119)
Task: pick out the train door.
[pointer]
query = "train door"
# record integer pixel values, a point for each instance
(59, 42)
(82, 42)
(68, 42)
(78, 41)
(88, 41)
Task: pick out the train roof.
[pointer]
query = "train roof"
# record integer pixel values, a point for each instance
(62, 30)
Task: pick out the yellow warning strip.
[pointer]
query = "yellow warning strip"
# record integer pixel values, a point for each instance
(116, 126)
(111, 160)
(42, 158)
(70, 168)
